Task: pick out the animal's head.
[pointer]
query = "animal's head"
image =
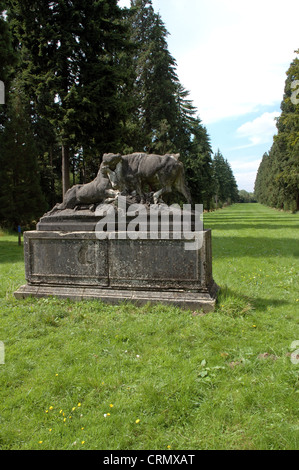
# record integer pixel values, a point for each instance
(111, 160)
(176, 156)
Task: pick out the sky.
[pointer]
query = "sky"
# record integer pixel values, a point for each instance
(232, 56)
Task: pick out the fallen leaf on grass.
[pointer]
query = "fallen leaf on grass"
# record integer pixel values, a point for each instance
(267, 356)
(235, 364)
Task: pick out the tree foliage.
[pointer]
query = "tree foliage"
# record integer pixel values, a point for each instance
(85, 78)
(277, 181)
(225, 185)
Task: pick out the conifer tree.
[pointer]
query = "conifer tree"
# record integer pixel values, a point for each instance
(21, 198)
(225, 185)
(72, 69)
(155, 81)
(277, 180)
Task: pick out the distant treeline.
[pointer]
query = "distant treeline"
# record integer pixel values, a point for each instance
(277, 181)
(83, 78)
(245, 196)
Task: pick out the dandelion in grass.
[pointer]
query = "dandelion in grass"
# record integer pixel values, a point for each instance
(137, 421)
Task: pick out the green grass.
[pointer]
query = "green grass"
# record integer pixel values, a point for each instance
(220, 381)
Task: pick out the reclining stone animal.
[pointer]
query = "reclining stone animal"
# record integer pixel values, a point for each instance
(140, 171)
(90, 193)
(128, 174)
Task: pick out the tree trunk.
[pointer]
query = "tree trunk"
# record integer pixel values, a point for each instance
(65, 169)
(52, 184)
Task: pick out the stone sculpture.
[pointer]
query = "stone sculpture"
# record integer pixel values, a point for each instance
(146, 177)
(76, 252)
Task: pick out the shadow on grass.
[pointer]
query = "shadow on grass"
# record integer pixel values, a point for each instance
(236, 304)
(11, 252)
(245, 221)
(233, 225)
(258, 247)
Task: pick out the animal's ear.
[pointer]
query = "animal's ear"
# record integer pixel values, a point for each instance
(176, 156)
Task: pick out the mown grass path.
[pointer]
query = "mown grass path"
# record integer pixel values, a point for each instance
(90, 376)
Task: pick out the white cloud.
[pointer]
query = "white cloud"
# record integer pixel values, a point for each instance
(260, 130)
(234, 56)
(245, 172)
(246, 180)
(231, 55)
(124, 3)
(244, 166)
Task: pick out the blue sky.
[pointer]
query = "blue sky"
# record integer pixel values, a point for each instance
(232, 56)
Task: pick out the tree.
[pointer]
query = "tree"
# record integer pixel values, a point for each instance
(72, 69)
(163, 118)
(7, 60)
(197, 158)
(287, 139)
(225, 186)
(246, 197)
(277, 180)
(21, 198)
(152, 125)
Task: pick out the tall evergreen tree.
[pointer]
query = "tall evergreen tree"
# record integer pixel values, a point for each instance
(225, 185)
(153, 123)
(7, 60)
(72, 69)
(277, 181)
(163, 119)
(21, 198)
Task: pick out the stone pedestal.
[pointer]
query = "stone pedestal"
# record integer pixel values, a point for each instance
(76, 264)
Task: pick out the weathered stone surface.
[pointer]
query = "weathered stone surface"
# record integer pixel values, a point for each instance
(184, 300)
(86, 220)
(77, 265)
(115, 239)
(53, 258)
(130, 174)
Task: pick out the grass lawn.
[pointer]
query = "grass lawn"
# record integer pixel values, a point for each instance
(93, 376)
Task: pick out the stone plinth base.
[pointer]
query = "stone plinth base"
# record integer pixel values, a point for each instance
(77, 265)
(183, 300)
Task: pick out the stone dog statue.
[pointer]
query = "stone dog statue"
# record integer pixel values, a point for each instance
(135, 174)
